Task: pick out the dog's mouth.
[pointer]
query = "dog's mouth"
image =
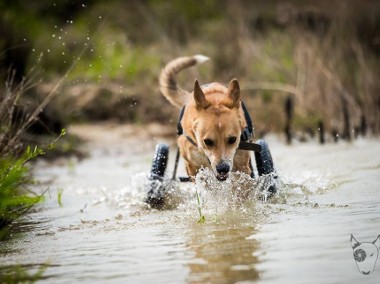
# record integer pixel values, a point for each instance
(222, 176)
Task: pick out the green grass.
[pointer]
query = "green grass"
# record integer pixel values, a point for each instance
(59, 197)
(21, 274)
(15, 199)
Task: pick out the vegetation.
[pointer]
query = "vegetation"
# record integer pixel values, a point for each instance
(324, 54)
(202, 217)
(15, 198)
(13, 179)
(20, 274)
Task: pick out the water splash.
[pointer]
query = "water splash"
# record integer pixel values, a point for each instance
(240, 194)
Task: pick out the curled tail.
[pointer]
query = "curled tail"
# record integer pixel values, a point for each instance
(168, 85)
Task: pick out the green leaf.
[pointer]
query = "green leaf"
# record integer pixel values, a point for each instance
(202, 219)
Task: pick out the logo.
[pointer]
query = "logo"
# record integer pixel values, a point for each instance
(365, 254)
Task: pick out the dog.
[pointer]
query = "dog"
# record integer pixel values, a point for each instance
(365, 254)
(212, 122)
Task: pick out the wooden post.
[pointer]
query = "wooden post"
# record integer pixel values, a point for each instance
(346, 120)
(321, 129)
(363, 126)
(289, 115)
(335, 135)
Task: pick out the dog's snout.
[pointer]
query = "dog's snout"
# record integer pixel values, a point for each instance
(223, 168)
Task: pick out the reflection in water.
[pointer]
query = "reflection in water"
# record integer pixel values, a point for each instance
(224, 252)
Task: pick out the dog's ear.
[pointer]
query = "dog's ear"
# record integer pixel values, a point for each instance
(354, 242)
(199, 97)
(234, 93)
(377, 242)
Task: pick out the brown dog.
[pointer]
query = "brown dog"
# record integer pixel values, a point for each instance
(212, 121)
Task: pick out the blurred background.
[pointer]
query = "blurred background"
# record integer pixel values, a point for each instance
(303, 66)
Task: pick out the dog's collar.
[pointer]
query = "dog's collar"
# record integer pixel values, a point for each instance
(245, 137)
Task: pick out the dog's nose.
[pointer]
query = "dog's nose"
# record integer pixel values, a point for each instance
(223, 168)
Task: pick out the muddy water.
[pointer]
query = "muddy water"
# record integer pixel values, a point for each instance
(102, 230)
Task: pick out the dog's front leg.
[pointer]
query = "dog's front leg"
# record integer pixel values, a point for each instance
(191, 171)
(242, 162)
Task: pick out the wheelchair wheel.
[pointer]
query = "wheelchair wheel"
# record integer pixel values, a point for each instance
(264, 160)
(160, 161)
(155, 187)
(264, 163)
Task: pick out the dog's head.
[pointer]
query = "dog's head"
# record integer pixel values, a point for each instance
(217, 124)
(365, 254)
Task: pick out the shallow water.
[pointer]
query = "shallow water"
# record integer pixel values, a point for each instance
(103, 231)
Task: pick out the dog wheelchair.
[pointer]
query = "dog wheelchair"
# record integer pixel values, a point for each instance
(156, 184)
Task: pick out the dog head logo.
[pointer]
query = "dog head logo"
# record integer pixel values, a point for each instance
(365, 254)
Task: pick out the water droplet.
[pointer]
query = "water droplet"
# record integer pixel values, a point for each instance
(84, 5)
(59, 37)
(53, 35)
(121, 66)
(48, 50)
(63, 53)
(25, 39)
(100, 17)
(88, 38)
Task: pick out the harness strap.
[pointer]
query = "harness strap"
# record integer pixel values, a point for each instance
(179, 124)
(180, 128)
(248, 131)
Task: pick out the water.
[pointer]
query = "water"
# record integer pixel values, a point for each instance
(104, 232)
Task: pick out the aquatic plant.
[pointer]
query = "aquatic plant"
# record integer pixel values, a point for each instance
(202, 217)
(59, 197)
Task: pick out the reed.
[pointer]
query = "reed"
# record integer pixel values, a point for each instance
(15, 156)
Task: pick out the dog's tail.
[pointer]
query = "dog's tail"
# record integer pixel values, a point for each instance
(168, 85)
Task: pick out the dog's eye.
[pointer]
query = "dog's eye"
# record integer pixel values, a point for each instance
(231, 140)
(208, 142)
